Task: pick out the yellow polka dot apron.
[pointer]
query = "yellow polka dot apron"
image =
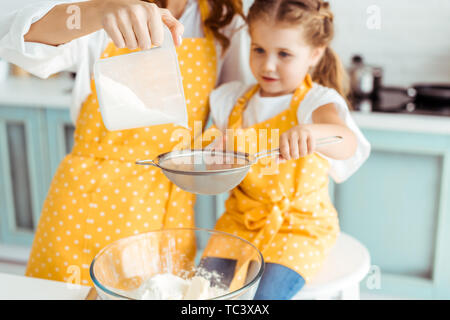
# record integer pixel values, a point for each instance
(287, 213)
(99, 195)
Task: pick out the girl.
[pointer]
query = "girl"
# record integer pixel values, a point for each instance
(300, 92)
(98, 194)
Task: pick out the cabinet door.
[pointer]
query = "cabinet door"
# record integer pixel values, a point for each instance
(60, 137)
(207, 210)
(397, 205)
(23, 172)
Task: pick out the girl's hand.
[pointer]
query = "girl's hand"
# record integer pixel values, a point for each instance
(135, 23)
(296, 142)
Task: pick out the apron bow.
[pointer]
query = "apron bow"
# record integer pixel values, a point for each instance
(268, 217)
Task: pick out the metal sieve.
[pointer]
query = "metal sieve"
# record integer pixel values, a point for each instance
(210, 171)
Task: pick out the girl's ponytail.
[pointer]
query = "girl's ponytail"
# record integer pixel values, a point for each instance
(331, 73)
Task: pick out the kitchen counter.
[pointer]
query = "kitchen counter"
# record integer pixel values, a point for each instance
(56, 93)
(34, 92)
(14, 287)
(402, 122)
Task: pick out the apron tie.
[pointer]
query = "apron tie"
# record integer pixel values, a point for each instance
(268, 216)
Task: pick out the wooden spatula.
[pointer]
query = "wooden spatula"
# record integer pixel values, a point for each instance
(239, 276)
(92, 294)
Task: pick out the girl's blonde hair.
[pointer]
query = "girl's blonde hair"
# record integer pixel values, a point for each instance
(221, 14)
(316, 19)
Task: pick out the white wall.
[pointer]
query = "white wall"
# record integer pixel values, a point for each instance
(412, 44)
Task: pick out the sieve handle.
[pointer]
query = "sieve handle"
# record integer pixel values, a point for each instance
(320, 142)
(147, 163)
(329, 140)
(263, 154)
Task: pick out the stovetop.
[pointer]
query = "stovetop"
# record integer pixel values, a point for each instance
(394, 102)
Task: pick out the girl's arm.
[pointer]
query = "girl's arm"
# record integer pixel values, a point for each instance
(129, 23)
(301, 140)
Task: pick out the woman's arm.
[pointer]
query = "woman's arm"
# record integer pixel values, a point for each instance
(301, 140)
(53, 28)
(129, 23)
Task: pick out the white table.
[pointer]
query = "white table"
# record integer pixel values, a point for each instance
(347, 265)
(14, 287)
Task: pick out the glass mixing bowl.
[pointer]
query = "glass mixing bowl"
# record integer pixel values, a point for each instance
(230, 263)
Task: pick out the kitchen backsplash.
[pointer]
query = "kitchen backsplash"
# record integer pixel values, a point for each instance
(409, 39)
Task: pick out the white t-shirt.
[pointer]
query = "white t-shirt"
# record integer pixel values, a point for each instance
(259, 109)
(80, 54)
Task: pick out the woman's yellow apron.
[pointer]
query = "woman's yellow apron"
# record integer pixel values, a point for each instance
(285, 211)
(99, 195)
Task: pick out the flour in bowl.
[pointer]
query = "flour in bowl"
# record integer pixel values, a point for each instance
(167, 286)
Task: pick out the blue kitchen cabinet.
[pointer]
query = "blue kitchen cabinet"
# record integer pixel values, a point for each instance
(397, 205)
(23, 172)
(33, 141)
(207, 210)
(60, 131)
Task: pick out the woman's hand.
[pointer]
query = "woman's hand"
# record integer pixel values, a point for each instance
(137, 24)
(129, 23)
(296, 142)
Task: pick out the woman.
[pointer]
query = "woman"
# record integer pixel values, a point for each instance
(98, 195)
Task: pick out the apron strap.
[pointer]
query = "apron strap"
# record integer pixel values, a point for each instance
(235, 118)
(299, 95)
(204, 12)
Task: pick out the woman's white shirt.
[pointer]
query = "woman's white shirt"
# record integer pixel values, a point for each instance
(80, 54)
(259, 109)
